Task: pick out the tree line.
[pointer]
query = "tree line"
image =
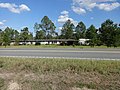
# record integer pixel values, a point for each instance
(107, 34)
(9, 34)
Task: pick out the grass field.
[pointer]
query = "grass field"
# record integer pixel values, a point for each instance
(58, 74)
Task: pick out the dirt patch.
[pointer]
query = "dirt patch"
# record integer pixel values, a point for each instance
(6, 75)
(62, 80)
(75, 88)
(13, 86)
(57, 81)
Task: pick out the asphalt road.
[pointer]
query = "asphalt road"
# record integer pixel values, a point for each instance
(88, 53)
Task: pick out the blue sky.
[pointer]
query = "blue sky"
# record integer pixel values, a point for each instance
(21, 13)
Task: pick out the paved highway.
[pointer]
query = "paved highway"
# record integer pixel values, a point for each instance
(87, 53)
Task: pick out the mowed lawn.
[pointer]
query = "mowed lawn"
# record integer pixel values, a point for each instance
(58, 74)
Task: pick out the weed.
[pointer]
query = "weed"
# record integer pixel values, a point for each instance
(2, 83)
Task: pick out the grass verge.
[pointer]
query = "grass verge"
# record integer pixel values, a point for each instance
(52, 46)
(59, 74)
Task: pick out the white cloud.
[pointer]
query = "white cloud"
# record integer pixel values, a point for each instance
(104, 0)
(108, 7)
(59, 28)
(64, 17)
(78, 10)
(15, 8)
(2, 22)
(23, 7)
(82, 6)
(65, 12)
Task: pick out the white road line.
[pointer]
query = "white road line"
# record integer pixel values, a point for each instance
(58, 51)
(61, 58)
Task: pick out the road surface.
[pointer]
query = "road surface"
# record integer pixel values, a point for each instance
(76, 53)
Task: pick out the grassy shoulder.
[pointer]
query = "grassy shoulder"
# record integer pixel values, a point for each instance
(59, 74)
(52, 46)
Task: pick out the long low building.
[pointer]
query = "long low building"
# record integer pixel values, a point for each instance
(46, 41)
(83, 41)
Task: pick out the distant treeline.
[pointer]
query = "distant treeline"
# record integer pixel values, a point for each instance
(108, 33)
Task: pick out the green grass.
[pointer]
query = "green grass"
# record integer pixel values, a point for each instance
(2, 83)
(52, 46)
(60, 74)
(54, 65)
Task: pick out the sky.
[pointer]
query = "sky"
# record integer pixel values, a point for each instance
(25, 13)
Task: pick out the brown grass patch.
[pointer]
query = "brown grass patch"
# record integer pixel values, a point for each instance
(53, 74)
